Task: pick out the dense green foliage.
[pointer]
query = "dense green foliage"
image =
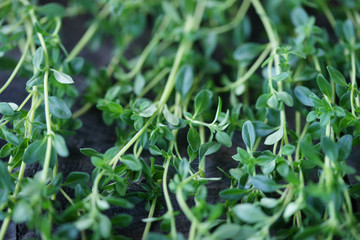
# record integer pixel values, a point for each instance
(283, 78)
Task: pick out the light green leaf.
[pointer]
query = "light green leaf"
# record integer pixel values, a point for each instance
(202, 101)
(62, 77)
(248, 134)
(60, 146)
(274, 137)
(249, 213)
(171, 118)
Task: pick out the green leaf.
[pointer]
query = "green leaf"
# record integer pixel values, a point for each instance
(290, 209)
(249, 213)
(287, 149)
(193, 139)
(208, 148)
(233, 194)
(274, 137)
(171, 12)
(202, 101)
(38, 58)
(247, 51)
(58, 108)
(89, 152)
(223, 138)
(51, 10)
(122, 220)
(171, 118)
(60, 146)
(286, 98)
(120, 202)
(324, 85)
(104, 226)
(6, 181)
(22, 212)
(248, 134)
(299, 16)
(6, 109)
(139, 84)
(281, 76)
(303, 94)
(262, 129)
(149, 111)
(10, 137)
(329, 148)
(336, 76)
(74, 178)
(184, 80)
(34, 152)
(345, 147)
(62, 77)
(348, 31)
(132, 162)
(227, 231)
(264, 184)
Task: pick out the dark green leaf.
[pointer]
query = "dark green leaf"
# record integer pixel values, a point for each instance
(247, 51)
(329, 148)
(5, 178)
(58, 108)
(51, 10)
(10, 137)
(208, 148)
(223, 138)
(324, 85)
(132, 162)
(75, 178)
(122, 220)
(336, 76)
(184, 80)
(345, 147)
(233, 194)
(202, 101)
(90, 152)
(35, 152)
(193, 139)
(303, 94)
(6, 109)
(264, 184)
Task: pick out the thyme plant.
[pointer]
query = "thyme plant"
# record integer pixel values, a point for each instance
(280, 75)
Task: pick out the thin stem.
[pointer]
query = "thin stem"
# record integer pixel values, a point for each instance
(236, 20)
(167, 199)
(353, 85)
(148, 224)
(249, 73)
(82, 110)
(29, 31)
(87, 35)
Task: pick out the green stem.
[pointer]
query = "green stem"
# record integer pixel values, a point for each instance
(168, 201)
(87, 35)
(82, 110)
(148, 224)
(353, 85)
(21, 60)
(249, 73)
(236, 20)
